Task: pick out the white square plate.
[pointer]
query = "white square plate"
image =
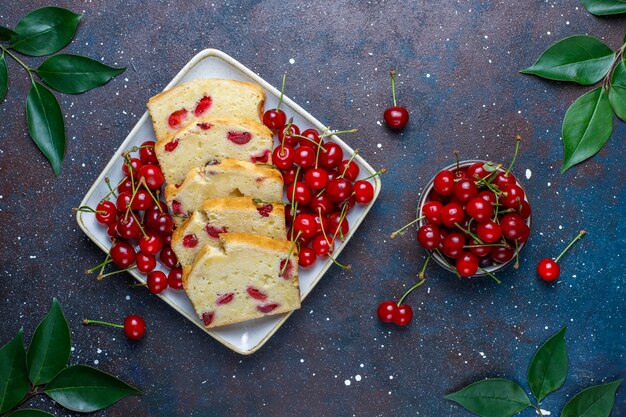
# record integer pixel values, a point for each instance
(247, 337)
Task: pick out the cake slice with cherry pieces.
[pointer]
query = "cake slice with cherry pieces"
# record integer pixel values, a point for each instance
(223, 215)
(211, 140)
(247, 277)
(230, 178)
(179, 106)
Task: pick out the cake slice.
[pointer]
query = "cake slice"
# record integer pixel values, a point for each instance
(210, 140)
(230, 178)
(222, 215)
(247, 277)
(173, 109)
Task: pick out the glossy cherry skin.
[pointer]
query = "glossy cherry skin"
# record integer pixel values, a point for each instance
(147, 155)
(396, 117)
(122, 254)
(433, 211)
(287, 136)
(513, 195)
(134, 327)
(332, 157)
(299, 192)
(452, 213)
(349, 169)
(305, 157)
(312, 140)
(386, 311)
(476, 171)
(428, 236)
(142, 200)
(502, 254)
(106, 212)
(363, 192)
(403, 315)
(320, 245)
(339, 189)
(156, 282)
(444, 183)
(452, 245)
(123, 201)
(274, 119)
(175, 278)
(489, 231)
(289, 175)
(283, 157)
(306, 257)
(168, 257)
(479, 209)
(151, 245)
(467, 264)
(316, 178)
(479, 250)
(336, 226)
(145, 262)
(465, 190)
(321, 203)
(152, 175)
(135, 164)
(514, 228)
(503, 179)
(488, 196)
(548, 270)
(305, 225)
(128, 228)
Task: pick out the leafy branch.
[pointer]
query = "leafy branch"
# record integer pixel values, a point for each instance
(546, 373)
(43, 32)
(588, 123)
(43, 370)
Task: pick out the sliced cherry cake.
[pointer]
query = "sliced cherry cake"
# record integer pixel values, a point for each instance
(223, 215)
(247, 277)
(230, 178)
(209, 141)
(179, 106)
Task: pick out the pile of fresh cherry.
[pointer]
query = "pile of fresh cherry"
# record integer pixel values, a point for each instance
(138, 222)
(321, 185)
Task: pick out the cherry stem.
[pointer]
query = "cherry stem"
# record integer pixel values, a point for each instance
(119, 326)
(497, 210)
(447, 263)
(491, 275)
(337, 132)
(345, 267)
(87, 209)
(293, 193)
(356, 151)
(319, 213)
(456, 156)
(282, 92)
(102, 276)
(106, 261)
(422, 280)
(392, 73)
(516, 266)
(156, 201)
(376, 174)
(143, 232)
(580, 234)
(518, 140)
(469, 232)
(286, 129)
(319, 145)
(111, 190)
(342, 217)
(487, 245)
(402, 231)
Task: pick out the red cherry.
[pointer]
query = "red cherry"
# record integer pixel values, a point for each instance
(363, 191)
(453, 244)
(433, 211)
(428, 236)
(321, 204)
(123, 200)
(147, 153)
(513, 195)
(465, 190)
(152, 175)
(444, 183)
(175, 278)
(349, 169)
(333, 175)
(151, 244)
(135, 163)
(162, 223)
(489, 231)
(112, 230)
(316, 178)
(403, 315)
(320, 245)
(106, 212)
(288, 135)
(134, 327)
(168, 257)
(283, 157)
(156, 282)
(289, 175)
(126, 186)
(305, 157)
(307, 257)
(386, 311)
(488, 196)
(514, 227)
(452, 213)
(122, 254)
(396, 117)
(339, 189)
(337, 227)
(313, 139)
(502, 179)
(128, 228)
(142, 200)
(479, 209)
(476, 171)
(479, 250)
(502, 254)
(467, 264)
(524, 209)
(305, 225)
(274, 119)
(332, 157)
(299, 192)
(548, 270)
(145, 262)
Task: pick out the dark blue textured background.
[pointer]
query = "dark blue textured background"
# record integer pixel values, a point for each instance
(457, 65)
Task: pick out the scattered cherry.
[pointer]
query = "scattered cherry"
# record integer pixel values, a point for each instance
(548, 269)
(156, 282)
(395, 116)
(134, 326)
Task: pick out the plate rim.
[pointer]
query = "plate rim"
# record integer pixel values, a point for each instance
(206, 53)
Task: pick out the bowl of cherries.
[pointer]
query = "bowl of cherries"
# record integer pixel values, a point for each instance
(474, 218)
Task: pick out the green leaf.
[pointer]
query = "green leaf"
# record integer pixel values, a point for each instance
(75, 74)
(50, 347)
(587, 126)
(492, 398)
(604, 7)
(617, 92)
(596, 401)
(13, 374)
(45, 124)
(4, 78)
(580, 58)
(6, 33)
(30, 412)
(548, 367)
(85, 389)
(45, 31)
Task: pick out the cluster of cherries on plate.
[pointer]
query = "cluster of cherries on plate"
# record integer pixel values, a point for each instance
(138, 222)
(321, 185)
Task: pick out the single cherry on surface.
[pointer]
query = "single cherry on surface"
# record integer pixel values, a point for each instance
(157, 282)
(134, 326)
(549, 269)
(396, 117)
(276, 118)
(386, 311)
